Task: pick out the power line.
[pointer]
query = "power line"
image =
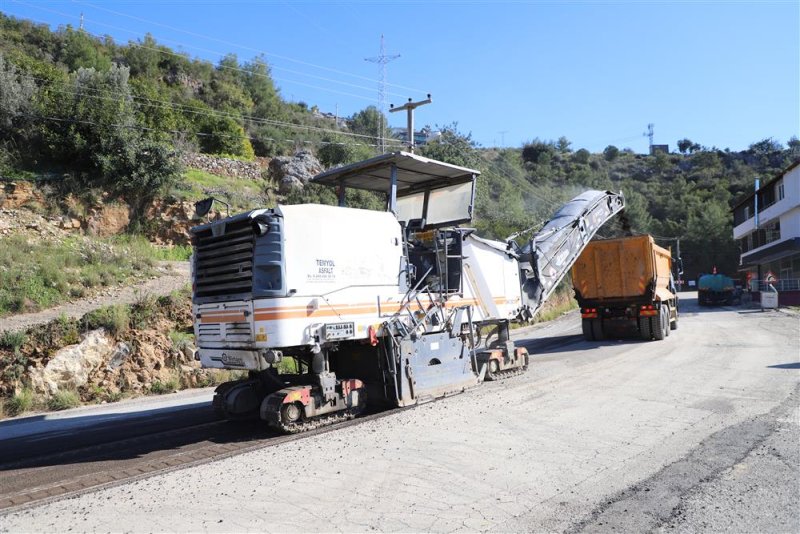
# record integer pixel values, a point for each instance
(226, 67)
(243, 47)
(91, 93)
(174, 132)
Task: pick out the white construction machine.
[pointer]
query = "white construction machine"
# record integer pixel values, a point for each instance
(372, 308)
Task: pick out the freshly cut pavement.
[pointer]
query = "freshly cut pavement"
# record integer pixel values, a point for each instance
(698, 432)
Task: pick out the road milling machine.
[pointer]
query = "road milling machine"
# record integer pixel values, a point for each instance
(330, 309)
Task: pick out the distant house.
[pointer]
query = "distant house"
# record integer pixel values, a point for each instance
(655, 149)
(421, 137)
(766, 224)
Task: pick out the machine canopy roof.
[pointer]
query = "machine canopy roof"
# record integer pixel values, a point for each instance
(414, 173)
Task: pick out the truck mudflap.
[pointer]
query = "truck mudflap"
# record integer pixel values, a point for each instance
(547, 258)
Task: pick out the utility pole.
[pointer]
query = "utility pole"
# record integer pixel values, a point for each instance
(382, 60)
(410, 107)
(80, 28)
(503, 137)
(650, 134)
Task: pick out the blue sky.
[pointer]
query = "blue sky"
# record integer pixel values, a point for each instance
(722, 73)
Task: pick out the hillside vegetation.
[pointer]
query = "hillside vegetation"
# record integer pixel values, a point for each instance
(92, 115)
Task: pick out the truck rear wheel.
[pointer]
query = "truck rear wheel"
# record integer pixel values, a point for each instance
(673, 325)
(597, 329)
(644, 328)
(586, 326)
(659, 325)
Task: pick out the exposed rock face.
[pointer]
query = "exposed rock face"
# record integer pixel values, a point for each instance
(232, 168)
(109, 219)
(71, 366)
(16, 194)
(175, 221)
(293, 172)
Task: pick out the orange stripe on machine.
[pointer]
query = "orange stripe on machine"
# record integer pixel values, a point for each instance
(336, 310)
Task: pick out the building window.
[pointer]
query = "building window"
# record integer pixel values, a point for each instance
(746, 212)
(772, 232)
(779, 189)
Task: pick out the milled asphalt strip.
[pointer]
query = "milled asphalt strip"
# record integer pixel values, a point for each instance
(107, 479)
(658, 499)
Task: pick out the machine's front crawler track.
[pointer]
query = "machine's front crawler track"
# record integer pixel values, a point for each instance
(506, 373)
(318, 422)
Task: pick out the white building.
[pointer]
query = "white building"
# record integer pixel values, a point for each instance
(766, 224)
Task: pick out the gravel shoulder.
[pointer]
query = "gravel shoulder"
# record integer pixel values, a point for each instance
(576, 444)
(172, 276)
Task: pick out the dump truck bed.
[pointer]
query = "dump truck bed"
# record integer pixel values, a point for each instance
(623, 268)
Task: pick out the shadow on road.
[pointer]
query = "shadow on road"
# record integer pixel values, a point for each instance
(793, 365)
(102, 437)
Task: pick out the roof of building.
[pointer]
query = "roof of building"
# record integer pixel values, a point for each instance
(767, 184)
(413, 173)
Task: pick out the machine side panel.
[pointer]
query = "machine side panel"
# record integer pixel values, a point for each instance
(329, 248)
(491, 278)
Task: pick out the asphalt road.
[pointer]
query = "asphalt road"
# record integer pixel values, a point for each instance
(698, 432)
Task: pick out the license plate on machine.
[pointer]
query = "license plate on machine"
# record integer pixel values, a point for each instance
(339, 330)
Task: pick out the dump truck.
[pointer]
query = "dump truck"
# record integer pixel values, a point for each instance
(715, 288)
(625, 284)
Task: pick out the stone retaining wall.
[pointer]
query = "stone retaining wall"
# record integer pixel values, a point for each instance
(232, 168)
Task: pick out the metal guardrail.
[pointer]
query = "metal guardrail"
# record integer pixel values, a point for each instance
(786, 284)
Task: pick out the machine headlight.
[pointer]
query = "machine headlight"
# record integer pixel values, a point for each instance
(260, 226)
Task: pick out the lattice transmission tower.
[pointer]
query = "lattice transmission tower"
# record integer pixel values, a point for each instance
(382, 59)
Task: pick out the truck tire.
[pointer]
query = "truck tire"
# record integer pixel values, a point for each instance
(644, 328)
(597, 329)
(659, 325)
(667, 312)
(586, 326)
(673, 325)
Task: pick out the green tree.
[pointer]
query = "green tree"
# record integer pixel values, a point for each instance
(368, 122)
(258, 85)
(610, 153)
(221, 134)
(453, 147)
(581, 156)
(537, 151)
(79, 50)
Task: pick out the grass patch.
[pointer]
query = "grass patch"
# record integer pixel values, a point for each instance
(38, 275)
(240, 193)
(64, 400)
(19, 403)
(180, 340)
(13, 340)
(170, 385)
(116, 319)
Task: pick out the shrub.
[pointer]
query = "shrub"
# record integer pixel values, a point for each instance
(180, 340)
(143, 310)
(19, 403)
(13, 340)
(168, 386)
(63, 400)
(116, 319)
